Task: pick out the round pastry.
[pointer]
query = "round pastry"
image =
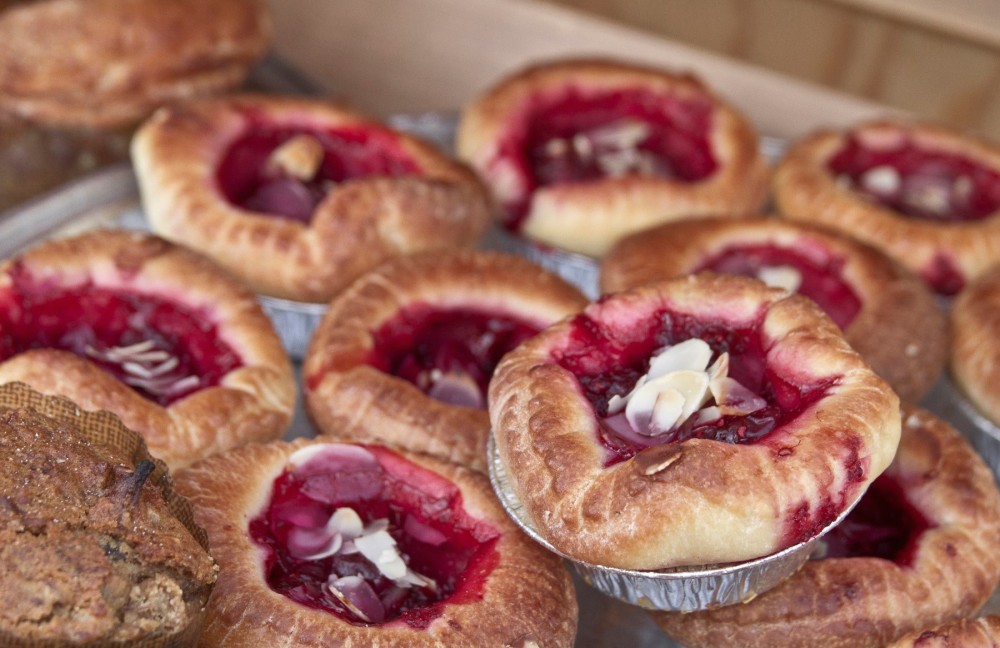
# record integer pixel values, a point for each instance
(581, 152)
(885, 312)
(975, 359)
(404, 356)
(299, 197)
(158, 335)
(921, 548)
(323, 543)
(703, 420)
(127, 56)
(983, 632)
(928, 197)
(95, 549)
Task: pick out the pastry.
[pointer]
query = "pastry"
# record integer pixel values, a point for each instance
(983, 632)
(702, 420)
(405, 354)
(322, 543)
(975, 359)
(578, 153)
(922, 548)
(886, 313)
(156, 334)
(92, 551)
(928, 197)
(299, 197)
(127, 56)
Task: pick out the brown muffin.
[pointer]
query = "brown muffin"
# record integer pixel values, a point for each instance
(90, 549)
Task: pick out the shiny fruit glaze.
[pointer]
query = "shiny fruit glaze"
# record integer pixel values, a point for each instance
(884, 524)
(89, 321)
(423, 341)
(460, 557)
(245, 179)
(607, 366)
(559, 139)
(822, 281)
(933, 185)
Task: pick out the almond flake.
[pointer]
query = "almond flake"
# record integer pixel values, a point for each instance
(783, 276)
(691, 354)
(299, 157)
(882, 180)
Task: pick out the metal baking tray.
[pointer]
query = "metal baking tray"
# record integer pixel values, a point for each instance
(109, 198)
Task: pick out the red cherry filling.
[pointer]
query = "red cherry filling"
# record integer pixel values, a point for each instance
(917, 182)
(610, 363)
(578, 136)
(820, 274)
(884, 524)
(257, 174)
(450, 354)
(448, 555)
(162, 349)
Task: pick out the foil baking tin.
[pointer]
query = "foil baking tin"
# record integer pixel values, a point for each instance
(948, 402)
(293, 321)
(680, 589)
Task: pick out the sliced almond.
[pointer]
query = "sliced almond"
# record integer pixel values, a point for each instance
(882, 180)
(380, 550)
(692, 354)
(622, 134)
(346, 522)
(692, 392)
(783, 276)
(732, 398)
(658, 458)
(299, 157)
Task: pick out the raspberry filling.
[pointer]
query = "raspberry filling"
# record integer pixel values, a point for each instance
(364, 534)
(162, 349)
(885, 524)
(818, 276)
(580, 136)
(920, 183)
(450, 354)
(287, 171)
(751, 398)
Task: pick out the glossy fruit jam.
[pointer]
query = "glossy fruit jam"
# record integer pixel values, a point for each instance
(919, 182)
(248, 178)
(822, 280)
(454, 552)
(884, 524)
(581, 136)
(450, 354)
(610, 363)
(162, 349)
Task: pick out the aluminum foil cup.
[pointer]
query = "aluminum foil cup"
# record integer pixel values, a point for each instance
(947, 401)
(293, 321)
(579, 270)
(679, 589)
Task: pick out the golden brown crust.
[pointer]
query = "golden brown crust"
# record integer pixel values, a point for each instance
(347, 396)
(252, 403)
(359, 223)
(589, 217)
(868, 601)
(717, 502)
(899, 330)
(527, 598)
(127, 56)
(983, 632)
(804, 189)
(975, 356)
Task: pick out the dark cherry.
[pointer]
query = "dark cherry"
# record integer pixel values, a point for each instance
(448, 353)
(884, 524)
(969, 190)
(89, 320)
(608, 364)
(460, 554)
(245, 180)
(823, 282)
(676, 144)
